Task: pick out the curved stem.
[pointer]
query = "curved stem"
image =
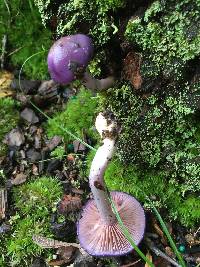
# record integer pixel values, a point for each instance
(96, 84)
(96, 179)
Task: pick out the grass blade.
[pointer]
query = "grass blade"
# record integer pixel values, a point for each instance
(165, 230)
(127, 234)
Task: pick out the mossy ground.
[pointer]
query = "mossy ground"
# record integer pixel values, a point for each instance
(34, 203)
(21, 23)
(158, 147)
(77, 117)
(9, 118)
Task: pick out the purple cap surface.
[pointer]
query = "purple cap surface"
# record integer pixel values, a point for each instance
(67, 54)
(99, 239)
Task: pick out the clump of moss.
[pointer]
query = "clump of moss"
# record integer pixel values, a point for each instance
(158, 186)
(159, 135)
(78, 117)
(9, 117)
(168, 35)
(26, 35)
(82, 16)
(34, 202)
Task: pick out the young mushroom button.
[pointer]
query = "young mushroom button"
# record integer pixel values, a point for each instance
(98, 229)
(68, 59)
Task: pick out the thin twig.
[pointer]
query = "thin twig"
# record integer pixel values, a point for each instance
(159, 253)
(15, 51)
(7, 6)
(131, 264)
(45, 242)
(197, 231)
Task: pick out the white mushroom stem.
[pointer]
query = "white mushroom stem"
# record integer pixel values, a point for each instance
(98, 167)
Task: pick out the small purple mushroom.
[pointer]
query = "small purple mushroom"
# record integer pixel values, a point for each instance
(68, 59)
(98, 229)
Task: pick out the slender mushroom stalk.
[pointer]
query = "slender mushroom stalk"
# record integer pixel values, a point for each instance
(68, 59)
(97, 85)
(98, 229)
(98, 167)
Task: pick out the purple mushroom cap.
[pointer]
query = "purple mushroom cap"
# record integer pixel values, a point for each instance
(67, 54)
(99, 239)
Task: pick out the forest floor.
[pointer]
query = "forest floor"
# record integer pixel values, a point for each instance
(28, 155)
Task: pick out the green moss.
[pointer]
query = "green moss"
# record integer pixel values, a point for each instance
(187, 210)
(9, 117)
(35, 202)
(43, 193)
(78, 117)
(106, 5)
(22, 24)
(158, 147)
(95, 64)
(168, 35)
(20, 248)
(155, 184)
(82, 16)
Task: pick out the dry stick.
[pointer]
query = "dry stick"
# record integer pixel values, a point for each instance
(45, 242)
(131, 264)
(197, 231)
(15, 51)
(159, 253)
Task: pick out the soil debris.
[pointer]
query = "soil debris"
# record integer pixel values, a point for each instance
(19, 179)
(29, 115)
(14, 138)
(68, 204)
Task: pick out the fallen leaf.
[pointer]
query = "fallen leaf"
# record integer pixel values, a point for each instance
(77, 191)
(48, 88)
(68, 204)
(14, 138)
(29, 115)
(169, 252)
(33, 155)
(78, 146)
(26, 86)
(160, 232)
(70, 157)
(66, 253)
(38, 138)
(54, 142)
(56, 262)
(148, 255)
(5, 81)
(19, 179)
(35, 170)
